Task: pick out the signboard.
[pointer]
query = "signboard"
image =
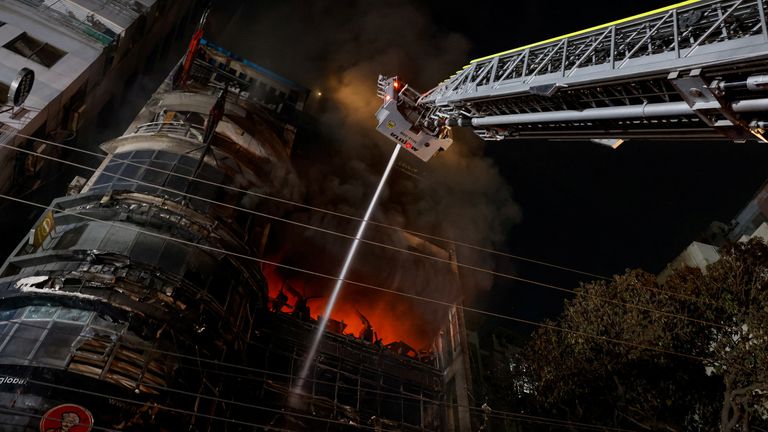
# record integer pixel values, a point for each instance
(67, 418)
(43, 229)
(8, 379)
(21, 87)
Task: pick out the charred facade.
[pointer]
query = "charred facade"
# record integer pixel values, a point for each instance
(138, 300)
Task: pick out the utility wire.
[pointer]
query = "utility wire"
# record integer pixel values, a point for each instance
(500, 414)
(561, 423)
(407, 251)
(361, 284)
(154, 405)
(550, 421)
(329, 212)
(199, 360)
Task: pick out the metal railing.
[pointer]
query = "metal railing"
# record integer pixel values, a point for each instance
(68, 21)
(6, 134)
(176, 129)
(677, 35)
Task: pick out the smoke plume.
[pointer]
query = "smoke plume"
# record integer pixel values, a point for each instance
(338, 49)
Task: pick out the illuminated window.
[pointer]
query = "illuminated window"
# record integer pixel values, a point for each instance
(35, 50)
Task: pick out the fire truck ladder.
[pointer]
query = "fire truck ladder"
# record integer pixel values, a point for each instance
(693, 70)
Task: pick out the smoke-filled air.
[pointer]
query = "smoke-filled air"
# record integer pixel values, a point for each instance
(338, 49)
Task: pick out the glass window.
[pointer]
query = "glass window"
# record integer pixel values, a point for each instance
(35, 50)
(57, 346)
(143, 155)
(130, 171)
(23, 341)
(146, 248)
(75, 315)
(157, 175)
(173, 257)
(8, 314)
(70, 237)
(5, 329)
(40, 312)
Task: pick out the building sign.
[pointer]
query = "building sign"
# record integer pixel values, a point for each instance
(21, 87)
(8, 379)
(42, 230)
(67, 418)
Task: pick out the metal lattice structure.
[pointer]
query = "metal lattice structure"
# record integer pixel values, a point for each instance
(696, 69)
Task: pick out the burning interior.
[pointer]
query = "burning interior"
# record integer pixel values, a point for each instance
(142, 298)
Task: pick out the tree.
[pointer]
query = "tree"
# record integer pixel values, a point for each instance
(737, 287)
(685, 355)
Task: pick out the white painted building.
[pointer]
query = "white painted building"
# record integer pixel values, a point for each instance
(83, 52)
(751, 221)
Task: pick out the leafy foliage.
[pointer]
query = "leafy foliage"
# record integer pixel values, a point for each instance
(691, 354)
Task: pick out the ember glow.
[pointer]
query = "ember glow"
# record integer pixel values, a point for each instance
(394, 317)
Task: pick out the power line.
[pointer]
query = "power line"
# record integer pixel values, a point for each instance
(556, 422)
(200, 360)
(361, 284)
(500, 414)
(318, 209)
(258, 407)
(411, 252)
(135, 402)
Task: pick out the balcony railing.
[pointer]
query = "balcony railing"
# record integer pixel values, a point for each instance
(176, 129)
(68, 21)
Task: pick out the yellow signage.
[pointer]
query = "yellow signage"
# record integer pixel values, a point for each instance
(43, 229)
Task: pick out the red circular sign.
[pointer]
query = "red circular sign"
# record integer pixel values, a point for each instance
(67, 418)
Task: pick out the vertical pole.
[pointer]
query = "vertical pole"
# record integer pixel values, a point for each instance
(565, 57)
(676, 32)
(613, 47)
(525, 63)
(761, 11)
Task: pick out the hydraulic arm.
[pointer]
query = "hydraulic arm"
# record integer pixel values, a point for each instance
(693, 70)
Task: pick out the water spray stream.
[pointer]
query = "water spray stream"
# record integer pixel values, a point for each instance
(342, 275)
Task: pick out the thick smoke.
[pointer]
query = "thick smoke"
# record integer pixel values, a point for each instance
(339, 48)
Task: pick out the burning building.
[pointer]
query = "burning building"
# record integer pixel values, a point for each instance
(140, 301)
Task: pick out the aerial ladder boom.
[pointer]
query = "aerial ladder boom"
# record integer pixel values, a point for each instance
(693, 70)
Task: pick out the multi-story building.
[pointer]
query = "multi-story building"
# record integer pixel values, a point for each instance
(82, 54)
(751, 221)
(138, 302)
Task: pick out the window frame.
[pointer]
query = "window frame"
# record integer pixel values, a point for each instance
(34, 54)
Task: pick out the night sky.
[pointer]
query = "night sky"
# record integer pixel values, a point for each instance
(580, 204)
(591, 207)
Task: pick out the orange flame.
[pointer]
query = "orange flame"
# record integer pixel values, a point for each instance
(392, 316)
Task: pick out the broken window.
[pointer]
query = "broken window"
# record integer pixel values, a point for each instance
(35, 50)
